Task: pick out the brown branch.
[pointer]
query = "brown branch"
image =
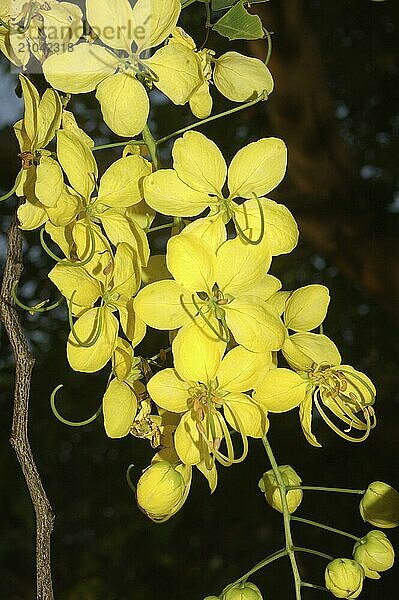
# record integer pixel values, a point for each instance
(24, 362)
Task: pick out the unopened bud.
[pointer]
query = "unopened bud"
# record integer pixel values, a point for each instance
(344, 578)
(375, 553)
(380, 505)
(269, 486)
(243, 591)
(160, 490)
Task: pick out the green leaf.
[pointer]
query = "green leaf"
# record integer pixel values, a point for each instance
(238, 24)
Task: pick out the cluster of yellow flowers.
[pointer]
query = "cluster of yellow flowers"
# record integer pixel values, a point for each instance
(227, 316)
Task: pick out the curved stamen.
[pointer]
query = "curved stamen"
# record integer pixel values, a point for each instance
(362, 381)
(336, 429)
(240, 231)
(66, 421)
(69, 263)
(94, 336)
(129, 479)
(240, 429)
(208, 323)
(38, 308)
(14, 188)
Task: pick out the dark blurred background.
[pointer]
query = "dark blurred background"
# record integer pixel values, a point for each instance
(335, 66)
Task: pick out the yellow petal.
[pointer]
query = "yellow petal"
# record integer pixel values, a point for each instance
(81, 70)
(305, 417)
(154, 21)
(67, 208)
(102, 255)
(49, 117)
(279, 301)
(90, 360)
(307, 307)
(122, 183)
(239, 266)
(177, 70)
(75, 280)
(159, 305)
(168, 195)
(201, 101)
(78, 162)
(188, 442)
(211, 475)
(238, 370)
(31, 215)
(257, 168)
(126, 275)
(266, 286)
(191, 262)
(281, 229)
(199, 163)
(69, 123)
(124, 104)
(240, 78)
(240, 410)
(303, 350)
(197, 353)
(122, 359)
(254, 325)
(120, 229)
(112, 22)
(49, 181)
(119, 408)
(133, 327)
(281, 390)
(169, 391)
(31, 103)
(210, 229)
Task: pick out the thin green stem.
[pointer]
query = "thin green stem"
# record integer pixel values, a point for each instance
(151, 144)
(66, 421)
(313, 488)
(38, 308)
(263, 563)
(119, 144)
(175, 223)
(262, 96)
(289, 544)
(269, 46)
(314, 552)
(240, 232)
(326, 527)
(314, 586)
(14, 188)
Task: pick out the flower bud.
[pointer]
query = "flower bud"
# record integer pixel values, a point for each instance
(243, 591)
(269, 485)
(344, 578)
(375, 553)
(380, 505)
(160, 491)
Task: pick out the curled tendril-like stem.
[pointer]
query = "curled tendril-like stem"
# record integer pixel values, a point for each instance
(268, 35)
(240, 231)
(129, 479)
(14, 188)
(94, 336)
(66, 421)
(69, 263)
(209, 324)
(39, 308)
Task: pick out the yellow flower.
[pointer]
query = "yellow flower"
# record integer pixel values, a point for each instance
(200, 385)
(118, 192)
(94, 336)
(213, 293)
(198, 177)
(119, 78)
(341, 389)
(38, 29)
(236, 76)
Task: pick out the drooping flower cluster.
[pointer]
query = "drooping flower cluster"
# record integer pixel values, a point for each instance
(241, 347)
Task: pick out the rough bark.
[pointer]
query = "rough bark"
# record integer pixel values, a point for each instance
(24, 363)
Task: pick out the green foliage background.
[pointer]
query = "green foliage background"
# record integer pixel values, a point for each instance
(103, 547)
